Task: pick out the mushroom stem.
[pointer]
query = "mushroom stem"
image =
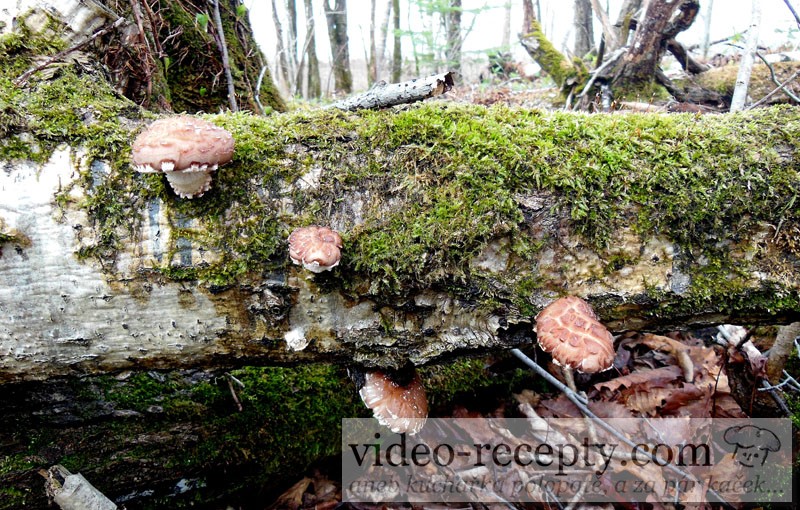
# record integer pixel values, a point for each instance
(569, 378)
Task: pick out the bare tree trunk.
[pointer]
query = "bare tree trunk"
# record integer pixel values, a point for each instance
(291, 45)
(649, 43)
(584, 32)
(284, 72)
(312, 74)
(336, 16)
(528, 16)
(626, 20)
(506, 42)
(397, 56)
(382, 64)
(748, 59)
(453, 33)
(372, 59)
(707, 28)
(609, 33)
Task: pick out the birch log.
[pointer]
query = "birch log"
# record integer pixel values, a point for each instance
(75, 302)
(459, 222)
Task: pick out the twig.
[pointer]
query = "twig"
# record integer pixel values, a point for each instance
(223, 48)
(765, 386)
(19, 82)
(794, 13)
(581, 405)
(780, 87)
(231, 379)
(549, 377)
(258, 89)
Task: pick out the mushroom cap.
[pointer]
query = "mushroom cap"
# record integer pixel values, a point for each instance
(568, 329)
(402, 409)
(183, 143)
(316, 248)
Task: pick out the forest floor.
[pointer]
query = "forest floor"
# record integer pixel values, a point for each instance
(700, 375)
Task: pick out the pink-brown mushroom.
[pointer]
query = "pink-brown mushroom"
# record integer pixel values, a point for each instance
(569, 330)
(402, 408)
(186, 149)
(316, 248)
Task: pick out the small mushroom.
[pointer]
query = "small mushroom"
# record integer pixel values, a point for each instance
(186, 149)
(400, 405)
(568, 329)
(316, 248)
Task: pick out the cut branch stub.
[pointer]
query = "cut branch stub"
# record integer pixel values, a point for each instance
(568, 329)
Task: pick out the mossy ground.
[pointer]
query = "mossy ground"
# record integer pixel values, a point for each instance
(175, 426)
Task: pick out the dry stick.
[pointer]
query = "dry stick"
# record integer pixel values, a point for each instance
(780, 86)
(61, 54)
(258, 89)
(383, 95)
(794, 13)
(223, 48)
(579, 403)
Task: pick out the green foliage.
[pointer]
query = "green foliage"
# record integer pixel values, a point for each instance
(202, 20)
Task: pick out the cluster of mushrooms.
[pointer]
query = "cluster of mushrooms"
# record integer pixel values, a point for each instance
(188, 150)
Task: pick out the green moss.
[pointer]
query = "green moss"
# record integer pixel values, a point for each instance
(471, 382)
(188, 425)
(565, 73)
(460, 170)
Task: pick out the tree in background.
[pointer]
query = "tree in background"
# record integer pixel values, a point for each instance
(284, 70)
(336, 16)
(397, 56)
(584, 32)
(372, 57)
(312, 70)
(452, 23)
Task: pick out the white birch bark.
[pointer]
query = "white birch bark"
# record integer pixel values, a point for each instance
(748, 59)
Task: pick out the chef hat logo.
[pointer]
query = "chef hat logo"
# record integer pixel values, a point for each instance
(753, 444)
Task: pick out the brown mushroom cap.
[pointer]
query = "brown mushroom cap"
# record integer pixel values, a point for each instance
(316, 248)
(185, 148)
(183, 141)
(568, 329)
(400, 408)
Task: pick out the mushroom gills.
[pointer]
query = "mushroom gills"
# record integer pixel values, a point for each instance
(190, 183)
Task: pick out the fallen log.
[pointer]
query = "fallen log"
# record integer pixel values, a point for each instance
(459, 223)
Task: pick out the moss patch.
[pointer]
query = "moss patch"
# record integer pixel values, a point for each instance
(456, 171)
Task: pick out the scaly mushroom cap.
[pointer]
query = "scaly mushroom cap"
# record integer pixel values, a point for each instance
(185, 148)
(568, 329)
(316, 248)
(402, 409)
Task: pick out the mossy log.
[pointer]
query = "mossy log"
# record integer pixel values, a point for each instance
(460, 223)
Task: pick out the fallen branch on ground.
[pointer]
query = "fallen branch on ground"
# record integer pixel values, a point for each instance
(383, 96)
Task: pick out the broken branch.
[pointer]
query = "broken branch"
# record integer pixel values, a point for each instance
(383, 96)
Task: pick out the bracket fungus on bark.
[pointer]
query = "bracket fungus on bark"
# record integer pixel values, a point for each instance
(316, 248)
(400, 406)
(569, 330)
(186, 149)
